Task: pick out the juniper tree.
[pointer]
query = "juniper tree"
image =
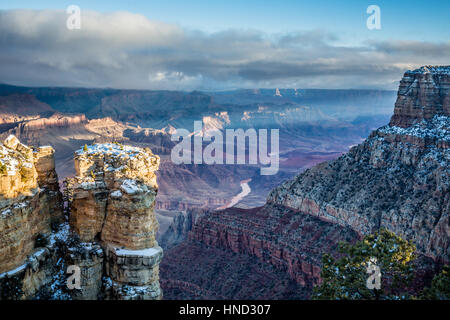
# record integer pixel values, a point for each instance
(347, 277)
(440, 286)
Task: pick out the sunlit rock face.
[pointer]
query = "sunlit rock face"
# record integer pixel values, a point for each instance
(30, 202)
(422, 94)
(113, 204)
(399, 178)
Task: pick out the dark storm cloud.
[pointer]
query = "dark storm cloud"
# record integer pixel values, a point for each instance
(127, 50)
(414, 48)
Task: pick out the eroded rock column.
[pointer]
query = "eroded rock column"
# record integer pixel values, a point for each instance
(113, 204)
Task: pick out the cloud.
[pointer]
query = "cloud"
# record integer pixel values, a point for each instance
(414, 48)
(126, 50)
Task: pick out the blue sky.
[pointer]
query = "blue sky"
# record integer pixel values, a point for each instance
(220, 45)
(401, 19)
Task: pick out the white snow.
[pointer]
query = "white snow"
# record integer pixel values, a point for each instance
(61, 235)
(21, 205)
(28, 165)
(88, 185)
(13, 160)
(111, 149)
(432, 69)
(6, 212)
(130, 187)
(116, 194)
(149, 252)
(14, 271)
(436, 128)
(39, 252)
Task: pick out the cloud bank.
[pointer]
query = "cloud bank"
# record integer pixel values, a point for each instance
(126, 50)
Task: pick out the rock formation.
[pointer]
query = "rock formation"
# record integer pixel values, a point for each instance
(180, 227)
(423, 93)
(111, 238)
(30, 203)
(113, 206)
(399, 178)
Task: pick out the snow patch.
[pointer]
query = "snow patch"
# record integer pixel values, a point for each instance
(149, 252)
(130, 187)
(116, 194)
(436, 128)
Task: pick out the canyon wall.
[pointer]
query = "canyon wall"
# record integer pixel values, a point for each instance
(30, 204)
(113, 207)
(399, 178)
(422, 94)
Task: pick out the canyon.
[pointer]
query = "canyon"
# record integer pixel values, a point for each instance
(227, 232)
(315, 126)
(398, 179)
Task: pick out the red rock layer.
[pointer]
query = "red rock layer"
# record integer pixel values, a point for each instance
(422, 94)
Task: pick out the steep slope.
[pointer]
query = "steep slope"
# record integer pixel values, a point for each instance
(398, 178)
(271, 242)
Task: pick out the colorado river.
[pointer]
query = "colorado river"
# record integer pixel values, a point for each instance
(245, 192)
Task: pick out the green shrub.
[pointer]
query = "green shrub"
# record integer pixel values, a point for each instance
(3, 168)
(346, 277)
(440, 286)
(23, 174)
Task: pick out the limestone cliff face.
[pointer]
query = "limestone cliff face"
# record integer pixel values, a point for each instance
(422, 94)
(113, 205)
(30, 202)
(399, 178)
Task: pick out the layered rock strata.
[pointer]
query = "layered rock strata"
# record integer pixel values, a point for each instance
(399, 178)
(113, 205)
(422, 94)
(30, 203)
(281, 247)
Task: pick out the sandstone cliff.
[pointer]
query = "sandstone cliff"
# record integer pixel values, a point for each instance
(30, 203)
(111, 232)
(113, 206)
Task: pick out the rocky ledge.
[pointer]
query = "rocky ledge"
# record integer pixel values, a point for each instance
(108, 231)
